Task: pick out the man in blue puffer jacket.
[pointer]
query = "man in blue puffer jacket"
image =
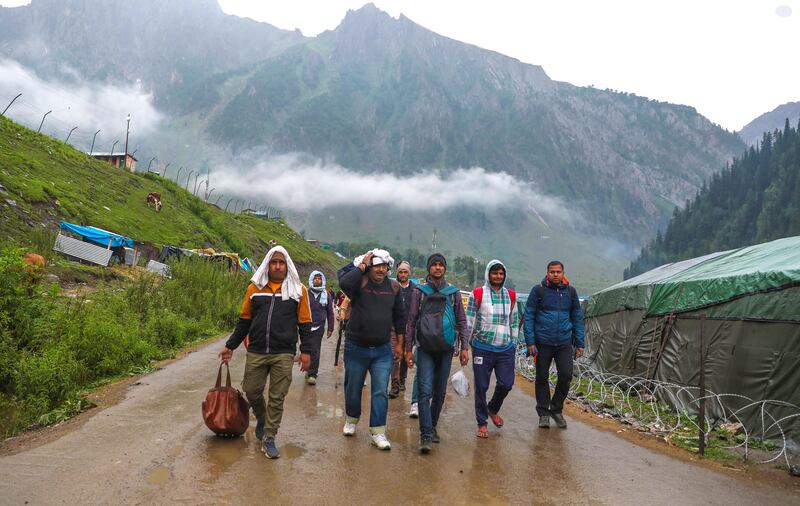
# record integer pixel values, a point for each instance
(553, 326)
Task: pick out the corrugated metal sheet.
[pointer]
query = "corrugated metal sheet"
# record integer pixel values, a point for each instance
(82, 250)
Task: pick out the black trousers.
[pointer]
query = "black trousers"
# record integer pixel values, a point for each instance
(316, 345)
(545, 405)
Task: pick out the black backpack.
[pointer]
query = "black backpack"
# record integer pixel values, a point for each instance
(436, 322)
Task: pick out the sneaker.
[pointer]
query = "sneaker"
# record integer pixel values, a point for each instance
(260, 430)
(435, 436)
(560, 422)
(544, 422)
(496, 419)
(349, 429)
(311, 380)
(425, 445)
(381, 442)
(394, 391)
(270, 450)
(414, 411)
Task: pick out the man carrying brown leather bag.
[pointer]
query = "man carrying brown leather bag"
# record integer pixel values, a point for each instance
(274, 313)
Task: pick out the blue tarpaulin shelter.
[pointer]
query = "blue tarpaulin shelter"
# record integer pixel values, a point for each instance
(97, 235)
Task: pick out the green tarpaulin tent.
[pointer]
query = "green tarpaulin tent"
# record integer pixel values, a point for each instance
(747, 301)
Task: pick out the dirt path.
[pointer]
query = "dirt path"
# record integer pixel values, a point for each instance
(152, 448)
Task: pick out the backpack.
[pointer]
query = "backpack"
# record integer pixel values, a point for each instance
(539, 291)
(477, 294)
(436, 324)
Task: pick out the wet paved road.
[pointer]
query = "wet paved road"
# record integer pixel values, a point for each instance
(153, 448)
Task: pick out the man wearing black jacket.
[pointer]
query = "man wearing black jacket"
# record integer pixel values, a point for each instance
(376, 307)
(275, 310)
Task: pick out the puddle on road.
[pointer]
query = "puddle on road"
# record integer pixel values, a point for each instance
(222, 452)
(158, 476)
(291, 451)
(403, 435)
(329, 411)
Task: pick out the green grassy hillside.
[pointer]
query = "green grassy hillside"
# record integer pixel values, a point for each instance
(45, 180)
(72, 327)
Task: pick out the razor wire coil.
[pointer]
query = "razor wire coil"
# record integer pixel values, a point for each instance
(665, 408)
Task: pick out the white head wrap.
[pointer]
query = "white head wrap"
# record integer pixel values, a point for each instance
(379, 256)
(291, 288)
(323, 298)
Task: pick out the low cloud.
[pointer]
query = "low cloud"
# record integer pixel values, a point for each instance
(89, 106)
(296, 183)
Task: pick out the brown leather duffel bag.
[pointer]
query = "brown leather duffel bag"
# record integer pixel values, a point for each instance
(225, 410)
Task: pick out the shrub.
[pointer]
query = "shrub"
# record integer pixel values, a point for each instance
(48, 376)
(51, 348)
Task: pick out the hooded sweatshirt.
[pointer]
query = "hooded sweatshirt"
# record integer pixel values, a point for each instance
(494, 325)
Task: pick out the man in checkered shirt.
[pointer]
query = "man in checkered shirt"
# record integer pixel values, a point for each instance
(493, 327)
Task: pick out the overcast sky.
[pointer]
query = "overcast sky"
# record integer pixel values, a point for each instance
(731, 59)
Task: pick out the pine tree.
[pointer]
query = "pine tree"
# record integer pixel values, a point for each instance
(753, 199)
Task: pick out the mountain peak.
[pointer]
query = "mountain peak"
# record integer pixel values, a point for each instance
(366, 16)
(369, 10)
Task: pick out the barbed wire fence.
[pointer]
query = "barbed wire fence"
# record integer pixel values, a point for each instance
(758, 430)
(90, 140)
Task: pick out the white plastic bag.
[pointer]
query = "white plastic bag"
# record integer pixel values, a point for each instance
(460, 383)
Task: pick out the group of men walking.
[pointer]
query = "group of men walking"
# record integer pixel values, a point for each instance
(398, 324)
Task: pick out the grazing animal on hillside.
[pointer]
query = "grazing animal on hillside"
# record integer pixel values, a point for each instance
(33, 261)
(34, 264)
(154, 198)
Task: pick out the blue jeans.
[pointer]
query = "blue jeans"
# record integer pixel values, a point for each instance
(484, 362)
(357, 361)
(433, 370)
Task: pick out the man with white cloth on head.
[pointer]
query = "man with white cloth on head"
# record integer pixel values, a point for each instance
(377, 307)
(274, 313)
(321, 300)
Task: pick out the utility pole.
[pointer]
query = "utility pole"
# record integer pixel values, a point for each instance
(178, 175)
(70, 133)
(433, 242)
(127, 131)
(188, 178)
(112, 149)
(9, 104)
(42, 123)
(150, 163)
(166, 167)
(91, 150)
(208, 178)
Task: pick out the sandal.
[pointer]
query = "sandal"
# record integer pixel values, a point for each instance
(483, 432)
(496, 419)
